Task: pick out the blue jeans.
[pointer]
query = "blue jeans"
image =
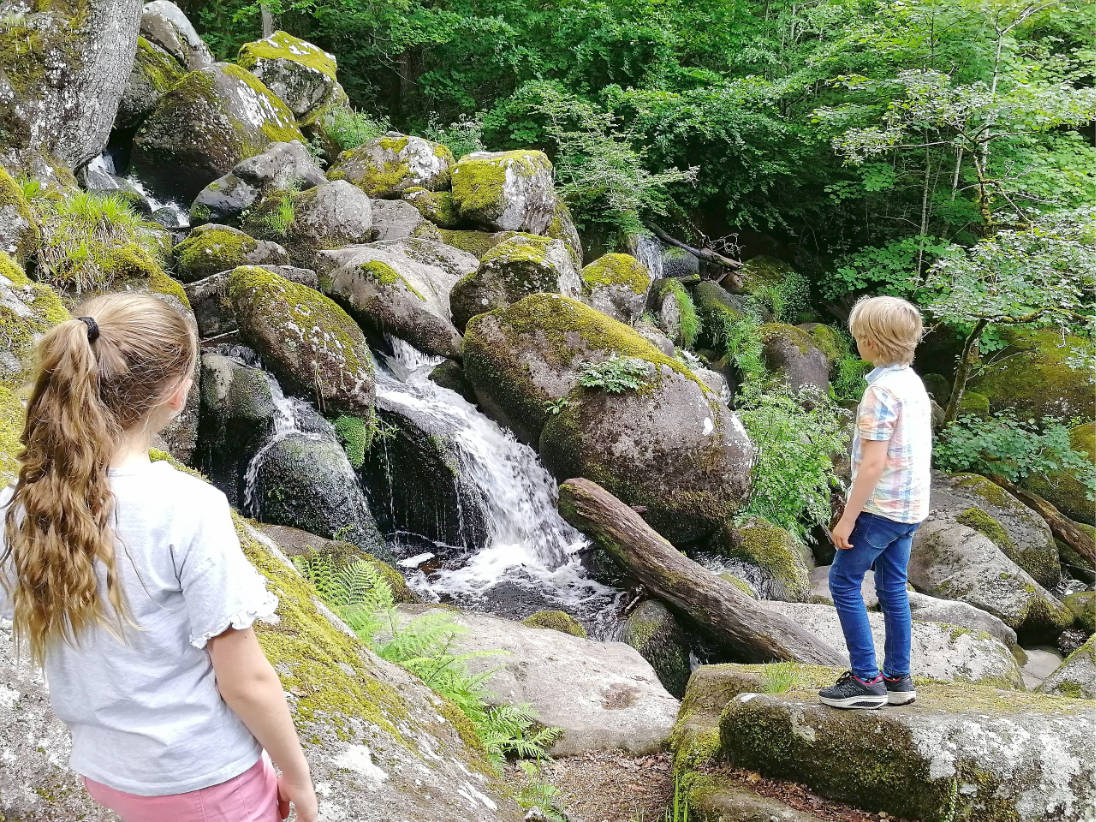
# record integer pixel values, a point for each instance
(884, 544)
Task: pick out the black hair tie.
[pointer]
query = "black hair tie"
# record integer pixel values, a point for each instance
(93, 328)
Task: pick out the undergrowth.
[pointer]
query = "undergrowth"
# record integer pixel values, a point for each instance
(349, 128)
(616, 374)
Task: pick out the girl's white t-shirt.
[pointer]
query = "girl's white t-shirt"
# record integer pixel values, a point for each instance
(145, 713)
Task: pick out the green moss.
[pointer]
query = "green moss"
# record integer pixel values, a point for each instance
(212, 248)
(796, 336)
(438, 207)
(356, 436)
(617, 269)
(989, 491)
(974, 403)
(12, 417)
(770, 548)
(130, 267)
(385, 274)
(690, 321)
(986, 525)
(14, 204)
(477, 243)
(1065, 489)
(18, 333)
(283, 46)
(556, 621)
(283, 128)
(741, 585)
(160, 70)
(519, 248)
(478, 181)
(829, 342)
(1083, 606)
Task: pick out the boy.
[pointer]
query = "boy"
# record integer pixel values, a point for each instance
(891, 450)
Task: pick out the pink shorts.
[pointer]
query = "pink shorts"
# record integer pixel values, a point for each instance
(250, 797)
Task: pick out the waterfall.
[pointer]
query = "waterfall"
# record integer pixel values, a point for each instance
(530, 552)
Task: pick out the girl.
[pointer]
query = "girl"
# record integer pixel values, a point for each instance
(125, 580)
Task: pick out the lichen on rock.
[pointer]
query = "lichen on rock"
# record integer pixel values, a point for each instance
(617, 285)
(394, 163)
(302, 74)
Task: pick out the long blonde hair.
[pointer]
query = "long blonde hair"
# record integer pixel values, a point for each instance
(96, 379)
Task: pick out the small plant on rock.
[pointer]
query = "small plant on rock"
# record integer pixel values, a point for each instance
(616, 374)
(349, 128)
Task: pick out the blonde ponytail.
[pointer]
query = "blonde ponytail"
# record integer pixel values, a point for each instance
(96, 380)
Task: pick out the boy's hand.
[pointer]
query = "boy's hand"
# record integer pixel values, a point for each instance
(841, 533)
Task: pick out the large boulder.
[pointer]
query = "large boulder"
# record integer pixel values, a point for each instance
(438, 207)
(163, 23)
(314, 348)
(154, 73)
(654, 631)
(364, 723)
(1021, 534)
(27, 310)
(209, 298)
(1066, 490)
(506, 191)
(306, 481)
(1032, 376)
(206, 124)
(939, 651)
(954, 561)
(522, 265)
(399, 220)
(400, 287)
(602, 695)
(775, 285)
(19, 232)
(212, 248)
(1076, 676)
(301, 74)
(330, 215)
(617, 284)
(476, 243)
(779, 565)
(280, 167)
(390, 165)
(792, 356)
(972, 753)
(63, 67)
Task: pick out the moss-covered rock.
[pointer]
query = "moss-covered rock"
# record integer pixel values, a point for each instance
(1076, 676)
(974, 753)
(438, 207)
(313, 346)
(1032, 376)
(522, 265)
(212, 248)
(390, 165)
(776, 285)
(164, 24)
(506, 191)
(1066, 490)
(779, 557)
(792, 356)
(678, 263)
(555, 621)
(654, 631)
(302, 74)
(617, 284)
(19, 232)
(562, 227)
(27, 310)
(154, 73)
(1083, 606)
(476, 243)
(206, 124)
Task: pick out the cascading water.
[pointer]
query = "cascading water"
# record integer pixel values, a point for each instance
(528, 546)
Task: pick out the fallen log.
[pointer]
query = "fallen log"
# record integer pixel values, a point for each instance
(747, 626)
(730, 267)
(1062, 526)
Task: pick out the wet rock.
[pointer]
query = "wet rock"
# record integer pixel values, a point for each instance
(206, 124)
(450, 375)
(390, 165)
(603, 695)
(654, 631)
(163, 23)
(400, 287)
(522, 265)
(314, 348)
(1076, 676)
(302, 74)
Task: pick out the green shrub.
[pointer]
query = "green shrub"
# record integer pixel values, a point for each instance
(1013, 448)
(739, 338)
(361, 597)
(796, 435)
(349, 128)
(461, 137)
(616, 374)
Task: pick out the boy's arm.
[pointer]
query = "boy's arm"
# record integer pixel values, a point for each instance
(873, 459)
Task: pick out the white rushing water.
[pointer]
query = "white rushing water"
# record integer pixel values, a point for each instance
(528, 546)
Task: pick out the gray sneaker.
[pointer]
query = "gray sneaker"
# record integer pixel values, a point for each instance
(852, 692)
(900, 690)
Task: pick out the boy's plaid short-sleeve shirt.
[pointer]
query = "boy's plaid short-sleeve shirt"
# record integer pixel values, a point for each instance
(896, 407)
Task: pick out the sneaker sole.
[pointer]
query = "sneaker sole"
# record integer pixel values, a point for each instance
(855, 702)
(901, 697)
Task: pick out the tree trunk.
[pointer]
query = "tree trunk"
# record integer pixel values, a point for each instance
(962, 373)
(268, 20)
(749, 628)
(1062, 526)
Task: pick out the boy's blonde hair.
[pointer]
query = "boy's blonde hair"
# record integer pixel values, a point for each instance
(892, 325)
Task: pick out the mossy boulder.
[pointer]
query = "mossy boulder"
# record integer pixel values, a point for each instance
(399, 220)
(27, 310)
(782, 561)
(953, 561)
(617, 284)
(792, 357)
(1083, 606)
(654, 631)
(679, 263)
(973, 753)
(1021, 534)
(438, 207)
(477, 243)
(776, 285)
(63, 66)
(522, 265)
(828, 340)
(212, 248)
(19, 232)
(207, 123)
(506, 191)
(1032, 375)
(1076, 676)
(302, 74)
(311, 344)
(330, 215)
(400, 287)
(390, 165)
(1066, 490)
(154, 73)
(164, 24)
(209, 298)
(555, 621)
